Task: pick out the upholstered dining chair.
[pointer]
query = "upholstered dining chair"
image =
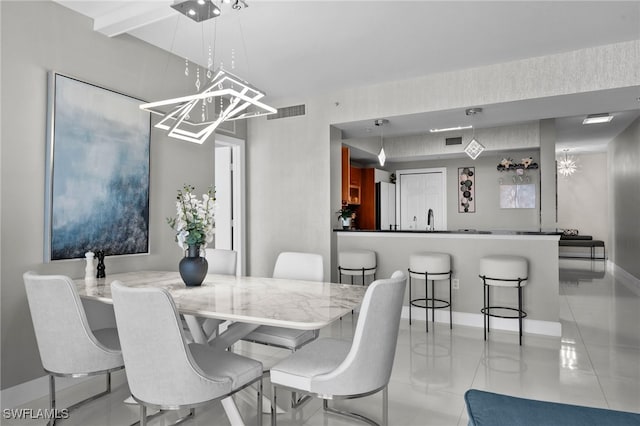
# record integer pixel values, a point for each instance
(297, 266)
(163, 370)
(67, 345)
(330, 368)
(223, 262)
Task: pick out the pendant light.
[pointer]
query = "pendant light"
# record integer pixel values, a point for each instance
(567, 167)
(381, 155)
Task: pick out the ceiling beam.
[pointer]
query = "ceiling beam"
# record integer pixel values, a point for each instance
(132, 16)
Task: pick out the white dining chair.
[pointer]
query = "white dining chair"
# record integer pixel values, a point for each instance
(294, 266)
(330, 368)
(163, 370)
(221, 261)
(67, 345)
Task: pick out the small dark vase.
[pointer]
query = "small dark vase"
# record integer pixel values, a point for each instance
(192, 267)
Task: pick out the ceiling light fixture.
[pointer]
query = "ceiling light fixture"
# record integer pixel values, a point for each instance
(598, 118)
(235, 94)
(198, 10)
(568, 166)
(449, 129)
(381, 155)
(225, 96)
(473, 148)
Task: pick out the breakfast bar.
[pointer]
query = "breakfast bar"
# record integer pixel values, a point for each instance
(467, 247)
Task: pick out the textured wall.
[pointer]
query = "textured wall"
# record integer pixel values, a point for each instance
(42, 36)
(624, 173)
(583, 197)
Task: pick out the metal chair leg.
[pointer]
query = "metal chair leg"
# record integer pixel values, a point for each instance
(52, 398)
(385, 406)
(143, 415)
(273, 406)
(259, 413)
(410, 306)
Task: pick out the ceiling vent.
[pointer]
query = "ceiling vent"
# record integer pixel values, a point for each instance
(453, 141)
(285, 112)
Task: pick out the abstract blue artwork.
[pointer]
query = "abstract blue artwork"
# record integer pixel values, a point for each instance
(98, 171)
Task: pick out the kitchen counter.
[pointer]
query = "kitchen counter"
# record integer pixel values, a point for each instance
(453, 231)
(467, 247)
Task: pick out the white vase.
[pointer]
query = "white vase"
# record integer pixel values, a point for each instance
(345, 222)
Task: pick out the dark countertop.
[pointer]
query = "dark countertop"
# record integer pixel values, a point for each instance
(457, 231)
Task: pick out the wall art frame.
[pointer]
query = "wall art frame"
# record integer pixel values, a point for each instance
(467, 190)
(97, 171)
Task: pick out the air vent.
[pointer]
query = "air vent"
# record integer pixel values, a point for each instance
(453, 141)
(290, 111)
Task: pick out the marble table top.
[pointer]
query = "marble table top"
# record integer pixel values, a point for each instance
(287, 303)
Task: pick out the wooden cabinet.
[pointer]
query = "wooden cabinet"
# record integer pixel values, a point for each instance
(346, 174)
(355, 185)
(367, 210)
(359, 191)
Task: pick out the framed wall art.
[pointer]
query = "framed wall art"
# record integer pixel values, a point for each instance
(518, 196)
(467, 192)
(97, 171)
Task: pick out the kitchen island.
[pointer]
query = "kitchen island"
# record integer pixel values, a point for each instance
(467, 247)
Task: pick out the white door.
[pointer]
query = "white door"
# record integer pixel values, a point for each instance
(224, 198)
(230, 197)
(419, 191)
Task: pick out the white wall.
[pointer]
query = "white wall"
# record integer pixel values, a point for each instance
(488, 215)
(624, 174)
(42, 36)
(583, 197)
(301, 145)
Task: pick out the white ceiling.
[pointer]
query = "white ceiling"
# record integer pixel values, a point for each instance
(293, 49)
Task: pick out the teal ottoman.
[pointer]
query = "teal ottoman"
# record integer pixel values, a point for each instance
(492, 409)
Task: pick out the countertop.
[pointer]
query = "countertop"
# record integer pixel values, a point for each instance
(456, 231)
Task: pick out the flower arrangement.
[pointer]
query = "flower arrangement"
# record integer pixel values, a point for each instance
(507, 164)
(195, 220)
(345, 212)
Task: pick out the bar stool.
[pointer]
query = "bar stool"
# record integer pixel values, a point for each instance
(503, 271)
(357, 263)
(435, 267)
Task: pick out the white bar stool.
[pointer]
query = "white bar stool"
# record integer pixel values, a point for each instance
(503, 271)
(357, 263)
(435, 267)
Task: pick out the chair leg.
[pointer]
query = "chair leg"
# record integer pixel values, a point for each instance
(520, 312)
(484, 308)
(273, 406)
(385, 406)
(426, 305)
(52, 398)
(259, 413)
(433, 303)
(143, 415)
(450, 305)
(410, 298)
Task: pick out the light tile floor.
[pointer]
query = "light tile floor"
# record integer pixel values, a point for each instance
(595, 363)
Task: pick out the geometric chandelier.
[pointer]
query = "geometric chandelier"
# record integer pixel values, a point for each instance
(194, 118)
(233, 95)
(567, 167)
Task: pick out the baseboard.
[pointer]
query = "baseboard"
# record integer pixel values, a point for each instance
(529, 326)
(23, 393)
(624, 277)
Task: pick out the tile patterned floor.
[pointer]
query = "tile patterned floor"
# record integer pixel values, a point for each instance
(595, 363)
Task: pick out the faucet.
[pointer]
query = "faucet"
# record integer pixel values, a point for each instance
(430, 220)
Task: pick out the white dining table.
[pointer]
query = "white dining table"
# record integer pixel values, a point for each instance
(246, 301)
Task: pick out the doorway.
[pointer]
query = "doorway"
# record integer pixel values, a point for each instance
(230, 197)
